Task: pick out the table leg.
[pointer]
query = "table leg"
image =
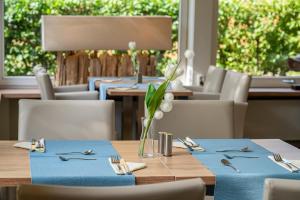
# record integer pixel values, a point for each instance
(127, 116)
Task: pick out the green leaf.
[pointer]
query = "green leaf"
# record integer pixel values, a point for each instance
(150, 92)
(157, 98)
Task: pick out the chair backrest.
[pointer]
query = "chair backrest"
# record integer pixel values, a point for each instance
(281, 189)
(192, 189)
(214, 79)
(235, 87)
(45, 85)
(198, 119)
(66, 119)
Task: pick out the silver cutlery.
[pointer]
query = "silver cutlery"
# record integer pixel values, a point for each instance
(87, 152)
(121, 164)
(277, 157)
(185, 144)
(232, 157)
(228, 164)
(244, 149)
(73, 158)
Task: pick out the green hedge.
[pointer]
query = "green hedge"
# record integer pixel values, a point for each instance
(255, 36)
(258, 36)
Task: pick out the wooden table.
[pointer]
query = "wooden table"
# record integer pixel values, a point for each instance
(273, 93)
(15, 166)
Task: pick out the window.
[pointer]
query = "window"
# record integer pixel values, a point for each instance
(258, 36)
(22, 39)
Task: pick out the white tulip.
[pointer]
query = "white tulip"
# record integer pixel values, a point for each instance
(176, 84)
(169, 97)
(189, 54)
(132, 45)
(166, 106)
(168, 73)
(158, 115)
(39, 69)
(179, 71)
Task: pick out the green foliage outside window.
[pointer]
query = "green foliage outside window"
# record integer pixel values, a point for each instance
(255, 36)
(258, 36)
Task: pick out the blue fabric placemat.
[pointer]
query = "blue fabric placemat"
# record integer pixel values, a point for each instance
(92, 80)
(247, 185)
(47, 168)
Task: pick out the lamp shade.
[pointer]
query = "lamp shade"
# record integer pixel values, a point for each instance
(63, 33)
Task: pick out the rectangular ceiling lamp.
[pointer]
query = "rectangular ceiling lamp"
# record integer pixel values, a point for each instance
(64, 33)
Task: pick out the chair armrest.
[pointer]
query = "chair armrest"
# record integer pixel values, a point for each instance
(194, 88)
(205, 96)
(71, 88)
(239, 111)
(93, 95)
(275, 189)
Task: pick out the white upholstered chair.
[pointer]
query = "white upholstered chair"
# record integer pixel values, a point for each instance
(281, 189)
(235, 88)
(66, 119)
(192, 189)
(199, 119)
(212, 84)
(74, 92)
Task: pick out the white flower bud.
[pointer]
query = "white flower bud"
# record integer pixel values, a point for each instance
(132, 45)
(166, 106)
(169, 97)
(145, 122)
(168, 73)
(189, 54)
(158, 114)
(176, 84)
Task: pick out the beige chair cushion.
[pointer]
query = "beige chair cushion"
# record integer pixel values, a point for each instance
(235, 87)
(281, 189)
(199, 119)
(66, 119)
(214, 79)
(192, 189)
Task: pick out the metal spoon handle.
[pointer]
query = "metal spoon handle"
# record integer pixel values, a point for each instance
(68, 153)
(245, 156)
(83, 158)
(238, 171)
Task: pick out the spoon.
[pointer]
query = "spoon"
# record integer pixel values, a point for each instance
(232, 157)
(66, 159)
(228, 164)
(244, 149)
(87, 152)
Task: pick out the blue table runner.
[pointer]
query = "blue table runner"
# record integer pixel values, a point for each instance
(47, 168)
(104, 86)
(247, 185)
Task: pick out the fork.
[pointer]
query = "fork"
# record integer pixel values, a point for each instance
(121, 164)
(277, 157)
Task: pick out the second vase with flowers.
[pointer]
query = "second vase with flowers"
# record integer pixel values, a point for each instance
(158, 101)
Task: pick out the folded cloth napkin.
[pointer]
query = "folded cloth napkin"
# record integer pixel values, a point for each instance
(23, 145)
(294, 162)
(133, 166)
(178, 144)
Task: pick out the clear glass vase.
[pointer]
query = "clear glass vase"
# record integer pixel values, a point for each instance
(148, 142)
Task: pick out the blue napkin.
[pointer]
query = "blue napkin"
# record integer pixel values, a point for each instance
(47, 168)
(247, 185)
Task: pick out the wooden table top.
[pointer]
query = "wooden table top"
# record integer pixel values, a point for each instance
(253, 93)
(15, 165)
(139, 92)
(273, 92)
